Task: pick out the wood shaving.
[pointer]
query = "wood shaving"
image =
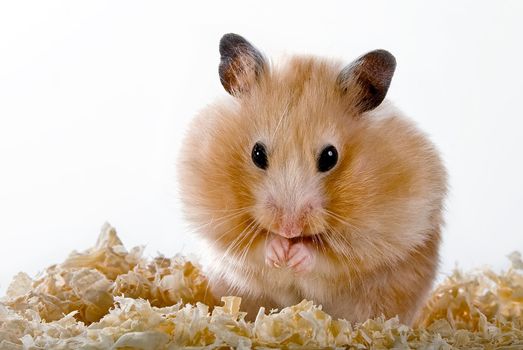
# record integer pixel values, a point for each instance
(111, 298)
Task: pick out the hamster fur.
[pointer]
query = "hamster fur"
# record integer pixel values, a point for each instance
(362, 238)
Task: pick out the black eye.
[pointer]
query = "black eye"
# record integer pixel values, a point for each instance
(259, 156)
(328, 158)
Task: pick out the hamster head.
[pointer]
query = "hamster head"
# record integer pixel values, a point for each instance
(299, 150)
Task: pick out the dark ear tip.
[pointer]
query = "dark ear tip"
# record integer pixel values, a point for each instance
(384, 58)
(229, 41)
(372, 73)
(240, 63)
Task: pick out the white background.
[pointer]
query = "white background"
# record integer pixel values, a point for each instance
(95, 97)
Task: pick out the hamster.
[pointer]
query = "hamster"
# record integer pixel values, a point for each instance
(307, 184)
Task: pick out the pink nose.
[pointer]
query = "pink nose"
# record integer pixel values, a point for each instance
(291, 222)
(291, 228)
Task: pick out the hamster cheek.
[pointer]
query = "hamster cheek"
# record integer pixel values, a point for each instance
(301, 258)
(276, 251)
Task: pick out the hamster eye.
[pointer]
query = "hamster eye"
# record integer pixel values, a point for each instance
(259, 156)
(328, 158)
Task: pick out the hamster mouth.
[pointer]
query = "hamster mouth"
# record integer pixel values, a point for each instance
(309, 238)
(302, 237)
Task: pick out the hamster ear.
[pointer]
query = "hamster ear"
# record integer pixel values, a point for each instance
(367, 79)
(240, 64)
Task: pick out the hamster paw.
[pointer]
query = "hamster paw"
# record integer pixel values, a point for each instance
(301, 258)
(276, 251)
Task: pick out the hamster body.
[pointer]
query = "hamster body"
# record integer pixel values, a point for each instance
(306, 184)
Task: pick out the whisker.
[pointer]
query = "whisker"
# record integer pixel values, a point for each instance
(317, 238)
(225, 254)
(221, 219)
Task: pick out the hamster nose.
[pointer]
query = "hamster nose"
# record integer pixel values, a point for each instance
(291, 220)
(291, 227)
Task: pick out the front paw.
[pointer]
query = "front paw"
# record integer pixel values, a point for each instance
(301, 258)
(276, 251)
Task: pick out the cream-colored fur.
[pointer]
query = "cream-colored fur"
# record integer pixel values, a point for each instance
(375, 225)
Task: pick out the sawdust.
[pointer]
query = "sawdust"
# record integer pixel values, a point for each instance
(109, 297)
